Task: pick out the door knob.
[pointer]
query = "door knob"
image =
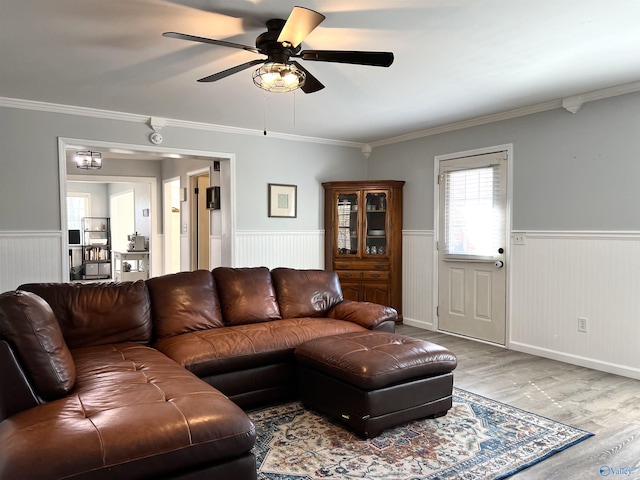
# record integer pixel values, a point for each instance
(499, 263)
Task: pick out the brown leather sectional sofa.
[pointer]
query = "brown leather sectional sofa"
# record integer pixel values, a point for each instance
(148, 379)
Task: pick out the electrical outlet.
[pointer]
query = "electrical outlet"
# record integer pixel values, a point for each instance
(582, 325)
(519, 238)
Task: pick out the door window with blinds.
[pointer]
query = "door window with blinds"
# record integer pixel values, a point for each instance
(474, 226)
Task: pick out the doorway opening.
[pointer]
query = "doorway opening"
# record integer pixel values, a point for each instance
(200, 231)
(123, 163)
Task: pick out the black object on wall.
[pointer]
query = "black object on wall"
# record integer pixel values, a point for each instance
(74, 237)
(213, 198)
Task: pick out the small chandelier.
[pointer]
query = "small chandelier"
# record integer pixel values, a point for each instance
(88, 160)
(279, 77)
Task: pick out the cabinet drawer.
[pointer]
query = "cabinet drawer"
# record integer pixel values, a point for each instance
(375, 275)
(349, 275)
(360, 266)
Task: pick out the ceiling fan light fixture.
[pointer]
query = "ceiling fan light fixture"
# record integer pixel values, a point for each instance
(88, 160)
(279, 77)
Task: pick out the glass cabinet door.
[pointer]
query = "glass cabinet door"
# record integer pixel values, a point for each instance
(376, 223)
(347, 240)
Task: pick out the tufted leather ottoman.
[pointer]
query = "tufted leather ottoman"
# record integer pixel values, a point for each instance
(375, 380)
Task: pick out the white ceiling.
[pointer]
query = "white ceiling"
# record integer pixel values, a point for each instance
(454, 59)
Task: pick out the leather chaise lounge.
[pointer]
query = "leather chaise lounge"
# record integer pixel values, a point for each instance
(148, 379)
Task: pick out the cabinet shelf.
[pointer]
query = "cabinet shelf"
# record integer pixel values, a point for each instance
(96, 248)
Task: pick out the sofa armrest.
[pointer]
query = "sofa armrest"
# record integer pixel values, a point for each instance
(369, 315)
(16, 393)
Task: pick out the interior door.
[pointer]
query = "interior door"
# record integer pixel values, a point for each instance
(200, 222)
(122, 213)
(172, 219)
(472, 244)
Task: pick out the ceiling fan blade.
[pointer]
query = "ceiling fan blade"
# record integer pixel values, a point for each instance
(301, 22)
(230, 71)
(311, 83)
(375, 59)
(222, 43)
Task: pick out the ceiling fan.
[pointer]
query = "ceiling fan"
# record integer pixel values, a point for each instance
(280, 43)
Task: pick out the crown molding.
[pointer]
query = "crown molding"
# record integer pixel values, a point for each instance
(496, 117)
(518, 112)
(137, 118)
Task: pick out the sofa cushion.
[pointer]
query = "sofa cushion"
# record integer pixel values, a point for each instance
(246, 295)
(221, 350)
(184, 302)
(98, 313)
(30, 326)
(306, 293)
(134, 413)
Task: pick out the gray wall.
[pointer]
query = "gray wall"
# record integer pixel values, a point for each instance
(29, 180)
(570, 172)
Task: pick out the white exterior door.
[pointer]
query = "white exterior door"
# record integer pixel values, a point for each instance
(472, 246)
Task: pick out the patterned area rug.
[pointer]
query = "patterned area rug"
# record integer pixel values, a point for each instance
(478, 439)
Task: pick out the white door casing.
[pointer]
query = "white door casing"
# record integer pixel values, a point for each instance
(472, 243)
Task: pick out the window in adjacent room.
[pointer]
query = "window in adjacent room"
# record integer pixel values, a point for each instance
(77, 207)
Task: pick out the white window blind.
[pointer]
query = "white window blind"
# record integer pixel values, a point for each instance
(474, 221)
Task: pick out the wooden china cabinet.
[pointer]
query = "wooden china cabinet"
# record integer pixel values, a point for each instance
(363, 239)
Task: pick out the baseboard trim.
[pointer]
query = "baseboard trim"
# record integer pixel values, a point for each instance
(608, 367)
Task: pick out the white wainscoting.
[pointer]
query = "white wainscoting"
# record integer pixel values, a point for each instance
(280, 249)
(30, 257)
(417, 278)
(557, 277)
(156, 255)
(215, 251)
(185, 257)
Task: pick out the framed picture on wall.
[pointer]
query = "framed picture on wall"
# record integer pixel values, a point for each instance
(283, 200)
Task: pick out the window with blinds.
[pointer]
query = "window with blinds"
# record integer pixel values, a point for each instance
(474, 220)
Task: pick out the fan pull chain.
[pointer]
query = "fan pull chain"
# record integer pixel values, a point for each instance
(294, 107)
(264, 117)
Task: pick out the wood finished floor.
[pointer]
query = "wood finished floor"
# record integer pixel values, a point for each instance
(601, 403)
